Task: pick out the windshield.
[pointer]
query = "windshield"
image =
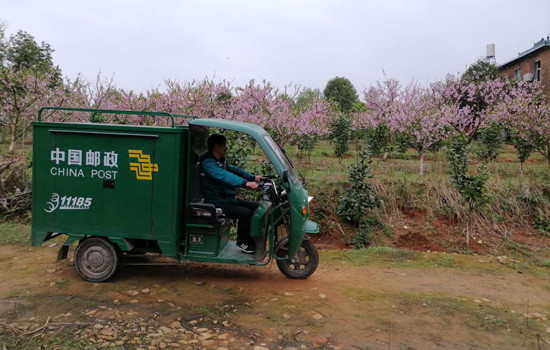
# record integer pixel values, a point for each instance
(282, 158)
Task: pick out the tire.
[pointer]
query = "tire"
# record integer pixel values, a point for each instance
(96, 259)
(306, 261)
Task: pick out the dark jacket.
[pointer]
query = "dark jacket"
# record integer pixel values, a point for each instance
(218, 185)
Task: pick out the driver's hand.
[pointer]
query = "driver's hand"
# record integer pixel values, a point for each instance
(252, 185)
(258, 178)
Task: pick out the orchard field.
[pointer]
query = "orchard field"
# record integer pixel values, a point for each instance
(433, 202)
(427, 212)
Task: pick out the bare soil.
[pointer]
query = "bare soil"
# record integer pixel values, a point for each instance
(418, 301)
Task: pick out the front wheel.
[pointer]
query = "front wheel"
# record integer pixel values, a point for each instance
(305, 261)
(96, 259)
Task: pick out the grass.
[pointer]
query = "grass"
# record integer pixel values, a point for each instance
(443, 260)
(448, 310)
(15, 233)
(21, 150)
(63, 339)
(41, 306)
(371, 256)
(543, 262)
(398, 165)
(536, 265)
(481, 317)
(519, 196)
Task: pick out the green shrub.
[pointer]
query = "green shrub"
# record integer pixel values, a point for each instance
(340, 134)
(377, 139)
(367, 228)
(471, 187)
(523, 149)
(543, 225)
(490, 138)
(240, 148)
(358, 196)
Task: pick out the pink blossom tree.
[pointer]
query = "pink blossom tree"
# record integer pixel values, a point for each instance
(261, 104)
(383, 101)
(470, 105)
(420, 117)
(266, 106)
(22, 94)
(526, 110)
(206, 98)
(412, 110)
(311, 120)
(100, 93)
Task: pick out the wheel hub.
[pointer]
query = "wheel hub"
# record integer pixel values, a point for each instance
(95, 259)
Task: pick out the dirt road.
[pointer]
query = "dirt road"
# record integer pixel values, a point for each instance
(388, 300)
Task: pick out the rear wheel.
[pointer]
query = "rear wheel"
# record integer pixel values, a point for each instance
(304, 262)
(96, 259)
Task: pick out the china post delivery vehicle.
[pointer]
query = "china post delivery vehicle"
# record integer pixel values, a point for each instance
(126, 190)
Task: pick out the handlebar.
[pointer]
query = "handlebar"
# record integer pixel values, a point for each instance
(268, 184)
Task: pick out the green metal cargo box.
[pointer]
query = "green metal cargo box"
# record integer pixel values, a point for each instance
(115, 181)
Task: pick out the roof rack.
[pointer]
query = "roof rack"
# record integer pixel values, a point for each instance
(115, 111)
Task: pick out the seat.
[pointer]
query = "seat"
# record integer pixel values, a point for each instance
(200, 212)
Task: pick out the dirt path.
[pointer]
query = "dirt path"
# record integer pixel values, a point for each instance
(430, 301)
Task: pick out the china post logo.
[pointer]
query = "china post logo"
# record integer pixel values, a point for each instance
(143, 167)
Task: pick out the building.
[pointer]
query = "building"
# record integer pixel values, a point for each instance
(531, 65)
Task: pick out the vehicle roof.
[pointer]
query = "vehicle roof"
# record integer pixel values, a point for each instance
(248, 128)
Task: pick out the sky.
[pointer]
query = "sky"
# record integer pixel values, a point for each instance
(141, 44)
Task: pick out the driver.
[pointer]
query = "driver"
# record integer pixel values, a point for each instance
(219, 185)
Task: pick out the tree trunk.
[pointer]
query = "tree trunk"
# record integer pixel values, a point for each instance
(12, 139)
(468, 231)
(421, 163)
(521, 169)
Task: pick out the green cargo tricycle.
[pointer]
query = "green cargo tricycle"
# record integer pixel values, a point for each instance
(127, 190)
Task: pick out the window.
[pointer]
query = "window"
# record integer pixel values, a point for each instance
(517, 74)
(537, 71)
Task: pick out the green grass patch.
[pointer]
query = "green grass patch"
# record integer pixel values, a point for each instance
(386, 256)
(380, 255)
(444, 260)
(371, 255)
(482, 316)
(15, 233)
(478, 316)
(448, 310)
(21, 150)
(64, 339)
(543, 263)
